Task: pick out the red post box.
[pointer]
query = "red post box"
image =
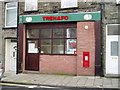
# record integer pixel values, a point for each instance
(86, 59)
(75, 52)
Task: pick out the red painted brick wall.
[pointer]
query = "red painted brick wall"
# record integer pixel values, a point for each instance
(85, 43)
(21, 47)
(58, 64)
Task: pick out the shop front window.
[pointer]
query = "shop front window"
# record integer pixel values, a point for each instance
(45, 33)
(58, 46)
(55, 40)
(70, 33)
(58, 33)
(33, 33)
(70, 46)
(46, 46)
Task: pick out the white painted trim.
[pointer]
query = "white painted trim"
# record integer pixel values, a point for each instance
(117, 1)
(107, 31)
(110, 38)
(6, 13)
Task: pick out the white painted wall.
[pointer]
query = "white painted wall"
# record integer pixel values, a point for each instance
(7, 54)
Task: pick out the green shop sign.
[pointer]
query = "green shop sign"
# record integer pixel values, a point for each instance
(95, 16)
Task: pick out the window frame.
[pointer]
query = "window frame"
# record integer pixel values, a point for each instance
(116, 53)
(10, 8)
(34, 4)
(64, 38)
(107, 32)
(65, 4)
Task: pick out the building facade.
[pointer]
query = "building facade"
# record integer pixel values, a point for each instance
(60, 43)
(1, 40)
(112, 40)
(9, 35)
(55, 52)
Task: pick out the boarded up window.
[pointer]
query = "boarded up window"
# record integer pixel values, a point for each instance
(31, 5)
(69, 3)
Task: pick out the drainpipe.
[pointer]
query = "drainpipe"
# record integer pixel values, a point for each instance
(102, 6)
(17, 59)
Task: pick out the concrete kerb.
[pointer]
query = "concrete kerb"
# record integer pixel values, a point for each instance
(101, 88)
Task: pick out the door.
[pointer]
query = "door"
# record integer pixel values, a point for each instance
(112, 49)
(13, 52)
(112, 60)
(32, 58)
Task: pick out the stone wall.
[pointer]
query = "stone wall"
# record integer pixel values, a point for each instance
(110, 9)
(1, 36)
(55, 7)
(111, 13)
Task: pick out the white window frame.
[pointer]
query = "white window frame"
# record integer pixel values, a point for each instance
(69, 3)
(107, 30)
(117, 1)
(10, 8)
(31, 5)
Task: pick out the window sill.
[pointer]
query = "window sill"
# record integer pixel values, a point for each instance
(9, 28)
(69, 8)
(31, 11)
(59, 54)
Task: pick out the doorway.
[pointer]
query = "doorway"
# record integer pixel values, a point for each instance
(112, 50)
(10, 55)
(32, 56)
(46, 39)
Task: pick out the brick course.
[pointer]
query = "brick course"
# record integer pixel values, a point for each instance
(62, 64)
(85, 43)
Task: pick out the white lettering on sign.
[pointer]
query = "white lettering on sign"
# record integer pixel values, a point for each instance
(87, 16)
(28, 19)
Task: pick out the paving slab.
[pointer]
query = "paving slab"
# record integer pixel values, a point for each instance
(90, 82)
(60, 80)
(57, 80)
(65, 81)
(115, 82)
(107, 81)
(81, 82)
(98, 82)
(73, 82)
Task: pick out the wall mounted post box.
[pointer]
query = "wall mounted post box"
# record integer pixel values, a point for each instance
(75, 52)
(86, 59)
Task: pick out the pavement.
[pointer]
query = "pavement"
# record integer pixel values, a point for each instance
(63, 80)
